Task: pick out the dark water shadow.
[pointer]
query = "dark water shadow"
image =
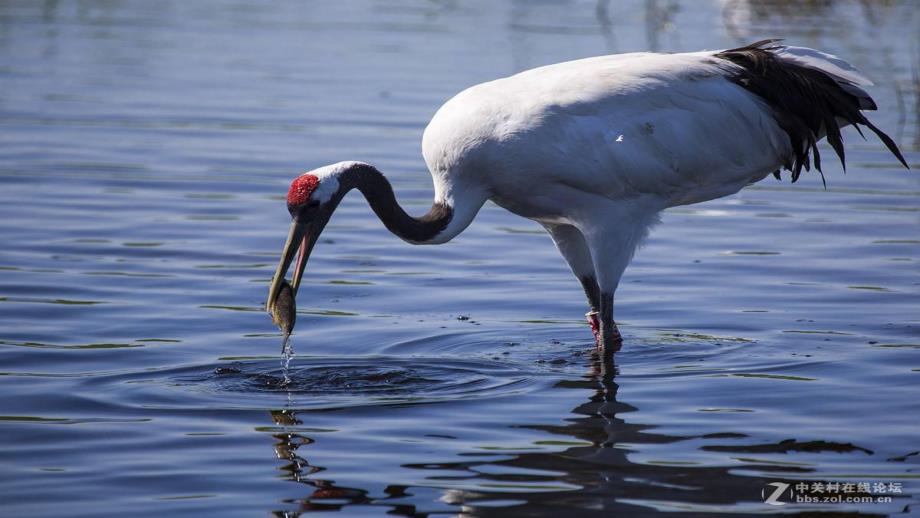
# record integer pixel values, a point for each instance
(324, 495)
(324, 383)
(593, 478)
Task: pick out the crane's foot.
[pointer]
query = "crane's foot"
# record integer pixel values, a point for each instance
(608, 344)
(595, 322)
(611, 341)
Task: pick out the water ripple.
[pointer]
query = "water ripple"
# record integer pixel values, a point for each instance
(321, 382)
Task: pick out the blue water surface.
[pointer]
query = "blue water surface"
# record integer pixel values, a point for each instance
(145, 150)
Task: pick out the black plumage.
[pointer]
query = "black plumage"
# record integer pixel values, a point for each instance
(808, 103)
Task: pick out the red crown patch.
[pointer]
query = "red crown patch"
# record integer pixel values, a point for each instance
(301, 189)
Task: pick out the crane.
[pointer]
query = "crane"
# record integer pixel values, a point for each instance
(595, 149)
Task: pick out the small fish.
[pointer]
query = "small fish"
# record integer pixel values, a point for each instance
(284, 312)
(284, 315)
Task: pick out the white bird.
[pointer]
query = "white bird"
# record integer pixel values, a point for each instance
(595, 149)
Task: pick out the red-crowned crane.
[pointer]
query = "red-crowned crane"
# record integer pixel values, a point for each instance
(595, 149)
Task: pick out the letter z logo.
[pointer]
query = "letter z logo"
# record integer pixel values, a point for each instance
(773, 498)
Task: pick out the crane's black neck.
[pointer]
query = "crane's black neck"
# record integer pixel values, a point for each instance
(379, 193)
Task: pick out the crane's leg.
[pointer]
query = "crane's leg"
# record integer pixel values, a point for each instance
(612, 233)
(610, 339)
(574, 249)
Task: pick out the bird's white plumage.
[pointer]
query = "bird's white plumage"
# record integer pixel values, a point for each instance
(827, 63)
(328, 177)
(601, 145)
(669, 127)
(595, 149)
(845, 74)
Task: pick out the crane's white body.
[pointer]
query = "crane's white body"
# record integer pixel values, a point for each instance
(594, 149)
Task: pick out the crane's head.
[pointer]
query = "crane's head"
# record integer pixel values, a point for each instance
(311, 200)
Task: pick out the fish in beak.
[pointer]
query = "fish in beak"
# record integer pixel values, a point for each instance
(284, 313)
(306, 225)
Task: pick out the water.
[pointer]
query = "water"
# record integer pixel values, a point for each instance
(287, 354)
(145, 150)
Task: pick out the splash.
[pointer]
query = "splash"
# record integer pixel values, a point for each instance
(287, 354)
(284, 314)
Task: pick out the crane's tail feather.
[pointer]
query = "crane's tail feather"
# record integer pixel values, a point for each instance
(812, 95)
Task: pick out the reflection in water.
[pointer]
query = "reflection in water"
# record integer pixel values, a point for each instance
(744, 19)
(602, 13)
(324, 495)
(608, 480)
(298, 469)
(740, 15)
(145, 146)
(659, 19)
(595, 473)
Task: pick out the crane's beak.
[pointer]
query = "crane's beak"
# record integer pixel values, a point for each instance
(300, 240)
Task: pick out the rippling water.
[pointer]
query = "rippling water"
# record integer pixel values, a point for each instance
(145, 148)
